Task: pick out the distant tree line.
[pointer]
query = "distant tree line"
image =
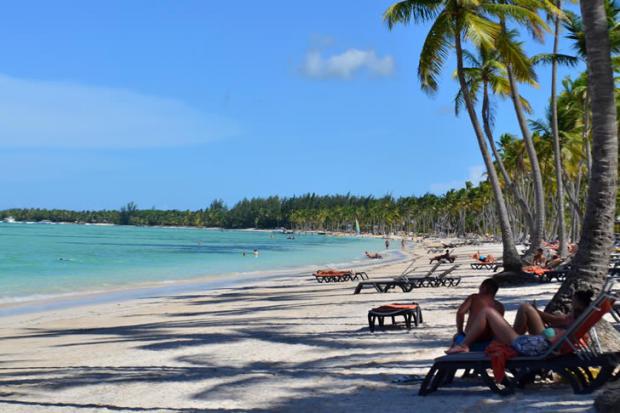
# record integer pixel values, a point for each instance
(458, 211)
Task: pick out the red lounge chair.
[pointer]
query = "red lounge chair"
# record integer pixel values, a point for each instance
(577, 356)
(328, 276)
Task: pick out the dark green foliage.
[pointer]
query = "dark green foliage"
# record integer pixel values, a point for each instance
(458, 211)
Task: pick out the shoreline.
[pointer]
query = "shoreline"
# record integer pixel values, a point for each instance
(139, 290)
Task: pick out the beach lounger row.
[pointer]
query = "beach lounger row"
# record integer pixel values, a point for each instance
(339, 276)
(493, 266)
(579, 357)
(408, 283)
(410, 311)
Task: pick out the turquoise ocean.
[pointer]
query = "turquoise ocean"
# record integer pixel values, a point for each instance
(46, 260)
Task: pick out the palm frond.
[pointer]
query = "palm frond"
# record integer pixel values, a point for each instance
(470, 58)
(513, 55)
(527, 107)
(459, 100)
(521, 13)
(481, 31)
(539, 126)
(406, 11)
(434, 52)
(561, 59)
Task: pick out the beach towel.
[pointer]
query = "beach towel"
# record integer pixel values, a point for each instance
(499, 353)
(535, 269)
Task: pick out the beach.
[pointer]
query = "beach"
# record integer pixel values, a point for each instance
(284, 343)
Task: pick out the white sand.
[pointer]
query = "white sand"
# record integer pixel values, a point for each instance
(281, 345)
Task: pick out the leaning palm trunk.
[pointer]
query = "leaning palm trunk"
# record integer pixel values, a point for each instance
(589, 269)
(486, 115)
(557, 154)
(511, 258)
(539, 195)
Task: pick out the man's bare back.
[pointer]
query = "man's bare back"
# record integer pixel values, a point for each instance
(478, 302)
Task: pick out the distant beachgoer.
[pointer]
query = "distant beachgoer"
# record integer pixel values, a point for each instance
(387, 244)
(373, 255)
(553, 262)
(539, 258)
(473, 306)
(403, 243)
(572, 249)
(487, 259)
(255, 252)
(443, 257)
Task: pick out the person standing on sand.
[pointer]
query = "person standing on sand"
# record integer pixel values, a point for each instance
(472, 307)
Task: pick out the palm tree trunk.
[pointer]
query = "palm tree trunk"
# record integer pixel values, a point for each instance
(557, 154)
(539, 194)
(512, 262)
(589, 269)
(486, 115)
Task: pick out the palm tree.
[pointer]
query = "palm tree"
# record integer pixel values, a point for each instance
(453, 22)
(487, 70)
(563, 250)
(590, 263)
(518, 71)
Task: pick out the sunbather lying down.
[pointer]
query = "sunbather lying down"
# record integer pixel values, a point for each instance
(486, 259)
(373, 255)
(542, 329)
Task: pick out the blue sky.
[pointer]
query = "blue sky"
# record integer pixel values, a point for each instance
(175, 103)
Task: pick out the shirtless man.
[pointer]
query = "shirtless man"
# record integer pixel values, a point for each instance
(446, 257)
(473, 305)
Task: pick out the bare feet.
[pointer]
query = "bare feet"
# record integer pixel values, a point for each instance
(457, 349)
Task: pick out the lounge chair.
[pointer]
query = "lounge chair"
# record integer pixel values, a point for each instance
(440, 279)
(574, 365)
(494, 266)
(410, 311)
(405, 283)
(328, 276)
(435, 250)
(558, 274)
(445, 281)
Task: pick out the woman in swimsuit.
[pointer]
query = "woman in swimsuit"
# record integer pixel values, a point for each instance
(543, 328)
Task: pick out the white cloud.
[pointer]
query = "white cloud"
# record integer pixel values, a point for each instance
(475, 176)
(37, 113)
(346, 64)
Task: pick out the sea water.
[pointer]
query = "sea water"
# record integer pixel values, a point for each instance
(42, 260)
